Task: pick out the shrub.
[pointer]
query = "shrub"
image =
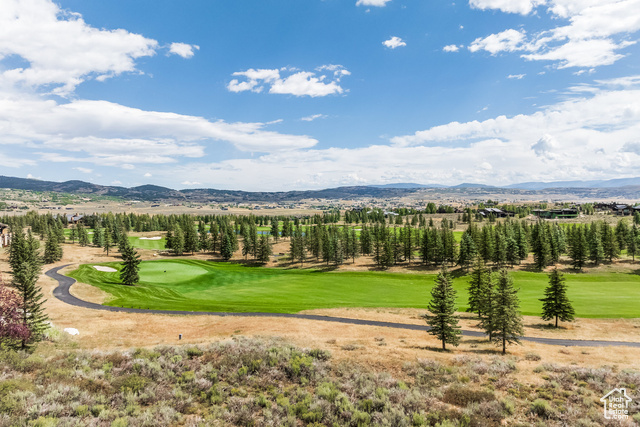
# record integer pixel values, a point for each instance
(534, 357)
(193, 352)
(463, 396)
(541, 408)
(133, 383)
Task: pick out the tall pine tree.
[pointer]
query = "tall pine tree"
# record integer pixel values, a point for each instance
(555, 303)
(506, 322)
(442, 320)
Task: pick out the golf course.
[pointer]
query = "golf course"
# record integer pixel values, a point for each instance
(194, 285)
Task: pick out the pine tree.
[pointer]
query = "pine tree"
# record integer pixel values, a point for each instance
(480, 280)
(442, 322)
(578, 247)
(83, 237)
(97, 239)
(632, 241)
(73, 235)
(555, 303)
(467, 250)
(596, 250)
(130, 264)
(52, 249)
(275, 232)
(107, 242)
(506, 322)
(264, 249)
(25, 269)
(177, 244)
(226, 247)
(609, 243)
(203, 238)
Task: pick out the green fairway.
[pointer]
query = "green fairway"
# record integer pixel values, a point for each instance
(142, 243)
(210, 286)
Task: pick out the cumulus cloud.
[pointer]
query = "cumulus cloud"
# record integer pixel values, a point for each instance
(506, 41)
(538, 146)
(593, 32)
(523, 7)
(297, 83)
(183, 49)
(516, 76)
(394, 42)
(375, 3)
(61, 49)
(451, 48)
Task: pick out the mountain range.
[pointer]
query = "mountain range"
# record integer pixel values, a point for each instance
(624, 187)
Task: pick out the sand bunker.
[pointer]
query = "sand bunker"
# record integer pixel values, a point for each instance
(105, 269)
(71, 331)
(150, 238)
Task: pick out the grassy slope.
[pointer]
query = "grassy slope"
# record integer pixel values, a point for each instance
(206, 286)
(155, 245)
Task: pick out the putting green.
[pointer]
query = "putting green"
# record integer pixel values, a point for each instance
(214, 286)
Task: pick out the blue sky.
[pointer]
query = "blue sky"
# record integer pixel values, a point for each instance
(279, 95)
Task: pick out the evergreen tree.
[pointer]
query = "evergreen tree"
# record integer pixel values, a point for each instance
(365, 241)
(130, 264)
(203, 238)
(541, 246)
(73, 235)
(264, 249)
(177, 245)
(275, 232)
(506, 322)
(190, 236)
(25, 269)
(479, 286)
(578, 247)
(97, 239)
(632, 241)
(83, 237)
(555, 303)
(442, 322)
(226, 247)
(52, 249)
(609, 243)
(107, 242)
(467, 250)
(622, 232)
(596, 250)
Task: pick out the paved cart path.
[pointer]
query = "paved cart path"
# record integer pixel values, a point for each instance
(64, 284)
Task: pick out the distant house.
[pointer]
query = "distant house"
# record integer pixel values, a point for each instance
(497, 213)
(75, 218)
(5, 235)
(622, 209)
(557, 213)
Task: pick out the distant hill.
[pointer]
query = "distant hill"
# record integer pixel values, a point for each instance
(595, 190)
(610, 183)
(408, 185)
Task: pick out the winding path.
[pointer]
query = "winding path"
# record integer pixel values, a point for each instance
(64, 284)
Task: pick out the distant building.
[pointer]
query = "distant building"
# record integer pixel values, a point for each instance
(557, 213)
(622, 209)
(497, 213)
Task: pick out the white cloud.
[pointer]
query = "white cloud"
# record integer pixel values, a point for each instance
(561, 141)
(106, 133)
(83, 170)
(545, 146)
(394, 42)
(183, 49)
(297, 83)
(147, 175)
(313, 117)
(190, 183)
(62, 50)
(523, 7)
(516, 76)
(592, 33)
(506, 41)
(451, 48)
(376, 3)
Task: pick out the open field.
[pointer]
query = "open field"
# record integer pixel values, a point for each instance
(194, 285)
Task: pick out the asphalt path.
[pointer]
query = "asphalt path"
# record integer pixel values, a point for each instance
(64, 284)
